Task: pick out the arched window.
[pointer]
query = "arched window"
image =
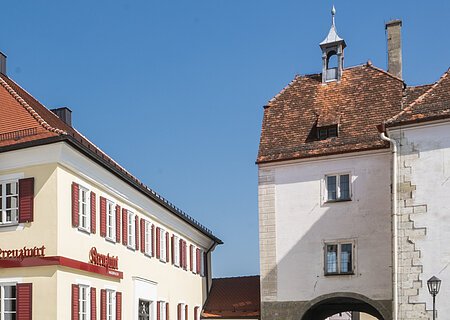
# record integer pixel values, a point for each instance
(332, 66)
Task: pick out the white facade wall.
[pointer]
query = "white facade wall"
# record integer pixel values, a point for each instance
(304, 221)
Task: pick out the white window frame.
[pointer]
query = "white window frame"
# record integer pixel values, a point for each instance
(3, 197)
(110, 300)
(2, 299)
(194, 259)
(131, 225)
(176, 247)
(148, 245)
(162, 245)
(87, 226)
(202, 263)
(183, 311)
(199, 311)
(86, 302)
(162, 310)
(338, 187)
(339, 244)
(110, 227)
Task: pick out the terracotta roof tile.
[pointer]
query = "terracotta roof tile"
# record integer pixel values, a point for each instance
(232, 298)
(364, 98)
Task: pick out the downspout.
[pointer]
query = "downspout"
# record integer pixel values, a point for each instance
(207, 266)
(394, 145)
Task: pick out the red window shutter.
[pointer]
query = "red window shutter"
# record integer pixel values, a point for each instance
(103, 304)
(93, 304)
(205, 263)
(173, 249)
(142, 235)
(179, 311)
(93, 213)
(185, 254)
(167, 311)
(124, 227)
(158, 242)
(180, 249)
(191, 257)
(136, 232)
(118, 305)
(197, 259)
(117, 224)
(196, 313)
(186, 310)
(75, 204)
(26, 200)
(158, 310)
(167, 247)
(153, 240)
(24, 301)
(75, 301)
(102, 217)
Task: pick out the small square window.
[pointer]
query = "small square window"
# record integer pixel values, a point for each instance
(339, 258)
(326, 132)
(338, 187)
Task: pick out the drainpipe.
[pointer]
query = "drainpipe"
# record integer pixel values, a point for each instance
(394, 145)
(207, 266)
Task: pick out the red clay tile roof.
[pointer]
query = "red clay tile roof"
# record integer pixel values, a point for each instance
(233, 298)
(25, 122)
(432, 104)
(365, 97)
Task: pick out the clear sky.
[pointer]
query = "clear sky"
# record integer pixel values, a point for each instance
(174, 90)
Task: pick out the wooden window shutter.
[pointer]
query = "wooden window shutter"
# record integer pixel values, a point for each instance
(158, 242)
(158, 310)
(167, 247)
(136, 232)
(167, 311)
(179, 311)
(118, 305)
(186, 310)
(102, 217)
(93, 213)
(153, 240)
(93, 304)
(197, 257)
(173, 249)
(196, 313)
(124, 227)
(26, 200)
(117, 223)
(75, 301)
(24, 301)
(191, 257)
(75, 204)
(102, 304)
(142, 235)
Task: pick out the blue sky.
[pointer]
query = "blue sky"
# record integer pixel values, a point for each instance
(174, 90)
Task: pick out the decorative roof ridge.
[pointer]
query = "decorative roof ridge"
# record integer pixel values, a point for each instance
(237, 277)
(420, 98)
(369, 64)
(33, 112)
(290, 84)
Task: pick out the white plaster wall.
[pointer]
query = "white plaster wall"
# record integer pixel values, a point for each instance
(304, 221)
(431, 176)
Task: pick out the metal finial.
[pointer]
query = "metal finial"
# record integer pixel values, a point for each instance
(333, 13)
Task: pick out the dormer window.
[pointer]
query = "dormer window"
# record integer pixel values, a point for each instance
(324, 133)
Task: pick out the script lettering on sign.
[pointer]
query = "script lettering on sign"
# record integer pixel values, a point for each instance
(107, 261)
(23, 253)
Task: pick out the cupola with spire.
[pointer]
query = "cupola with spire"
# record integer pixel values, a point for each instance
(332, 53)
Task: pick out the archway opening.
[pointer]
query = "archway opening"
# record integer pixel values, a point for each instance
(351, 315)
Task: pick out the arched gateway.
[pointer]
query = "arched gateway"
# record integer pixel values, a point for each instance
(330, 304)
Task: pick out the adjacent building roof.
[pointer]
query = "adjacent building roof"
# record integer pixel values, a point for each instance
(233, 298)
(365, 97)
(25, 122)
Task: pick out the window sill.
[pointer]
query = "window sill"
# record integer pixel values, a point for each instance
(132, 248)
(340, 274)
(11, 227)
(111, 240)
(338, 200)
(86, 231)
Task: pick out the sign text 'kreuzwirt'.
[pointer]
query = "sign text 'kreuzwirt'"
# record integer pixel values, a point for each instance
(23, 253)
(103, 260)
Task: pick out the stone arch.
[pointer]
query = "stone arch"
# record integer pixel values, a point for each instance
(329, 304)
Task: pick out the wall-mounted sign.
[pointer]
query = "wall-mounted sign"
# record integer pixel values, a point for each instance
(107, 261)
(23, 253)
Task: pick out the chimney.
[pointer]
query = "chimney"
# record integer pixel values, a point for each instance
(64, 113)
(2, 63)
(394, 46)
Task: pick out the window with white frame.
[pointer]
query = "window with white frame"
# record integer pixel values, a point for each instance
(338, 187)
(84, 209)
(176, 248)
(110, 305)
(148, 238)
(84, 301)
(131, 230)
(9, 202)
(194, 259)
(202, 263)
(162, 245)
(110, 221)
(339, 257)
(144, 310)
(183, 308)
(8, 302)
(162, 310)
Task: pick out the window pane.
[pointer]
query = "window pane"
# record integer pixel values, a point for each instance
(10, 291)
(346, 257)
(322, 134)
(344, 185)
(331, 188)
(331, 257)
(332, 131)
